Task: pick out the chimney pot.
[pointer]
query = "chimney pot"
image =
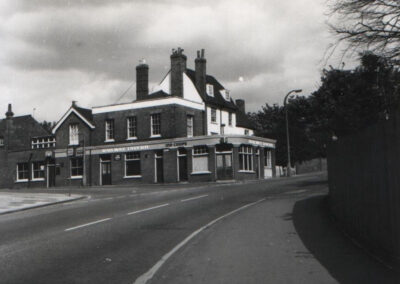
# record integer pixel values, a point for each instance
(241, 105)
(9, 113)
(200, 72)
(178, 67)
(142, 80)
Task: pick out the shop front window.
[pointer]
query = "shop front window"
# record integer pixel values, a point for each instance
(246, 158)
(132, 164)
(200, 159)
(38, 171)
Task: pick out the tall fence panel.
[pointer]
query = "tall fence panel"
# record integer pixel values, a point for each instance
(364, 185)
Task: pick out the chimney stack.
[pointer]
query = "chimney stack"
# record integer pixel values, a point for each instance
(178, 67)
(9, 113)
(200, 72)
(241, 105)
(142, 80)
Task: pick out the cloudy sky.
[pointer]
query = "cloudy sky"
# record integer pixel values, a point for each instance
(56, 51)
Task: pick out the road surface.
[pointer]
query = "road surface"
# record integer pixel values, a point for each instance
(273, 231)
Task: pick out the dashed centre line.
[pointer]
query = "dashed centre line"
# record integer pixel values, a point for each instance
(147, 209)
(193, 198)
(87, 224)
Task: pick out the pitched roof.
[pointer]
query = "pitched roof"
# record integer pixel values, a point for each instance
(20, 130)
(83, 113)
(217, 100)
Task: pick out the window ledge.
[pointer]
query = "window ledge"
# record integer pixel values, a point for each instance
(138, 176)
(155, 136)
(109, 140)
(76, 177)
(73, 144)
(131, 138)
(37, 179)
(201, 173)
(21, 180)
(214, 122)
(245, 171)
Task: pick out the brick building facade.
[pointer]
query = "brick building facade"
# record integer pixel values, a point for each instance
(187, 129)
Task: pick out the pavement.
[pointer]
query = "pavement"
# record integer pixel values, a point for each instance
(16, 201)
(275, 231)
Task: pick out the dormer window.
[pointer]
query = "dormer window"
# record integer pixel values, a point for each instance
(210, 90)
(225, 94)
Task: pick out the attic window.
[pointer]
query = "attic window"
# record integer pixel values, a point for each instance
(225, 94)
(210, 90)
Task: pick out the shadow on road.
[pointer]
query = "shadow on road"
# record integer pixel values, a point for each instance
(343, 260)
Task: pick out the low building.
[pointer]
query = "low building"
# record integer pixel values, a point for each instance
(187, 129)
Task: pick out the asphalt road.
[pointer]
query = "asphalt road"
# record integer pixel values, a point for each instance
(273, 231)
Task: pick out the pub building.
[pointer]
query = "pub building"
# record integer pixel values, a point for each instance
(187, 129)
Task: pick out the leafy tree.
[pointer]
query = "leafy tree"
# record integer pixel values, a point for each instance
(346, 101)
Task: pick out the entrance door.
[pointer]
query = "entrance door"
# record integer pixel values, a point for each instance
(105, 169)
(182, 165)
(51, 175)
(159, 174)
(224, 166)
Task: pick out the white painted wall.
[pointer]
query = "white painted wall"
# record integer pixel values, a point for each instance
(223, 117)
(189, 90)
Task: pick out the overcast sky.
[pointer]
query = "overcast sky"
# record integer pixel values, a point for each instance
(56, 51)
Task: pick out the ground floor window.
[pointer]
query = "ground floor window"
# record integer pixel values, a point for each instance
(132, 164)
(37, 171)
(246, 158)
(76, 167)
(267, 158)
(22, 172)
(200, 159)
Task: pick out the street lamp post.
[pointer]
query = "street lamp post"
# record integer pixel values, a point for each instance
(289, 166)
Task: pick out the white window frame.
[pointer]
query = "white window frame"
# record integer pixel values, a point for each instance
(210, 90)
(109, 130)
(18, 170)
(36, 170)
(136, 157)
(247, 162)
(189, 125)
(75, 167)
(213, 115)
(131, 126)
(155, 124)
(74, 134)
(200, 152)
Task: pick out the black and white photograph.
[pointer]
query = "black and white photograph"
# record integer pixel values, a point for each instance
(177, 142)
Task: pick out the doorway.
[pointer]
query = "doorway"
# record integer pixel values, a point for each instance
(105, 170)
(224, 166)
(159, 168)
(182, 164)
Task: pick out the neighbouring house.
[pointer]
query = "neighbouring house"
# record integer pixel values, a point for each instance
(188, 128)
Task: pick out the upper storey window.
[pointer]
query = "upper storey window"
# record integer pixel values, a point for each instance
(109, 130)
(213, 115)
(225, 94)
(73, 134)
(43, 142)
(156, 124)
(210, 90)
(131, 127)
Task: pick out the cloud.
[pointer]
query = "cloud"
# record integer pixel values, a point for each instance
(56, 51)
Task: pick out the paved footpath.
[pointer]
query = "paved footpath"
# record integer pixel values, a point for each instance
(15, 201)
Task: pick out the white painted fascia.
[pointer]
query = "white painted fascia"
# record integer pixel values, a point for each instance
(149, 103)
(71, 110)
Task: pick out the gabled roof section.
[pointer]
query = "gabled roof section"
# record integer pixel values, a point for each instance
(83, 113)
(217, 100)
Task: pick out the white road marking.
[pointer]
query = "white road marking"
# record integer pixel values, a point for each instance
(149, 274)
(147, 209)
(87, 224)
(193, 198)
